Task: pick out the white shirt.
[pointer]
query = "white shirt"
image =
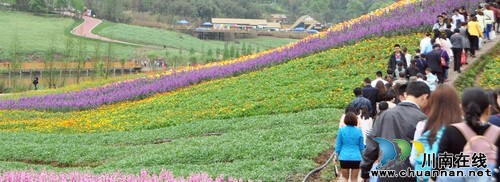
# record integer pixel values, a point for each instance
(418, 133)
(481, 21)
(489, 16)
(457, 17)
(374, 82)
(440, 27)
(424, 42)
(408, 59)
(365, 126)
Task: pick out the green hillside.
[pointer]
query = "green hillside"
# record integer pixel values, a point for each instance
(36, 33)
(160, 37)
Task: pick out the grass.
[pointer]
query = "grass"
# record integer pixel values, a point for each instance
(74, 87)
(36, 33)
(323, 80)
(175, 40)
(268, 147)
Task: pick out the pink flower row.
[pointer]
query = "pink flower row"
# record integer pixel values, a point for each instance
(144, 176)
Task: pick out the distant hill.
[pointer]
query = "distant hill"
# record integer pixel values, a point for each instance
(169, 11)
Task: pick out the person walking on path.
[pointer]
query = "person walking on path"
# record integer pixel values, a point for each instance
(349, 147)
(476, 111)
(420, 61)
(371, 94)
(465, 37)
(396, 57)
(434, 62)
(396, 123)
(360, 101)
(443, 109)
(475, 33)
(425, 44)
(35, 82)
(379, 78)
(489, 19)
(457, 48)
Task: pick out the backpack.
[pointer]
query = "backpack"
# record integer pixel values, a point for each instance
(428, 150)
(480, 143)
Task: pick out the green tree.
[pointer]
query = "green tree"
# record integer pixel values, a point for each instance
(218, 52)
(37, 6)
(243, 50)
(96, 60)
(192, 51)
(249, 49)
(60, 5)
(22, 5)
(232, 51)
(81, 48)
(109, 60)
(355, 8)
(210, 55)
(15, 52)
(122, 63)
(49, 63)
(226, 54)
(237, 52)
(68, 53)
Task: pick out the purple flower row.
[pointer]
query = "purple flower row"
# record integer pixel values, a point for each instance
(164, 176)
(403, 20)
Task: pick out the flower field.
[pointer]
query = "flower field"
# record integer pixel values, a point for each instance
(77, 177)
(267, 148)
(491, 74)
(400, 17)
(268, 119)
(324, 80)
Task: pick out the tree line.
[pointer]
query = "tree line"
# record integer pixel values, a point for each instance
(329, 11)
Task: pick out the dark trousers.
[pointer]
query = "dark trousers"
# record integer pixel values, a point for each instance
(457, 54)
(440, 76)
(474, 44)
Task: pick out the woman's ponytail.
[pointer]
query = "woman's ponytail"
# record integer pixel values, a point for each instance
(472, 113)
(474, 102)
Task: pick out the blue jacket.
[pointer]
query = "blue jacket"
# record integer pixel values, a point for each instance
(349, 143)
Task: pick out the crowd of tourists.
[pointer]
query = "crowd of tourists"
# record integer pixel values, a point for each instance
(412, 103)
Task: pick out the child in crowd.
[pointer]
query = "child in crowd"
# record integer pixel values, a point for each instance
(399, 69)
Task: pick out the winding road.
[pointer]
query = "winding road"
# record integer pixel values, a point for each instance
(89, 23)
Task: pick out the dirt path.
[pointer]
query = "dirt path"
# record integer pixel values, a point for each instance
(89, 23)
(452, 75)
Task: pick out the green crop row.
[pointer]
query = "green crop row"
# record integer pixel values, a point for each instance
(262, 147)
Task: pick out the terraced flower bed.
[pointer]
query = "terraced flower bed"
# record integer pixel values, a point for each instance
(323, 80)
(401, 17)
